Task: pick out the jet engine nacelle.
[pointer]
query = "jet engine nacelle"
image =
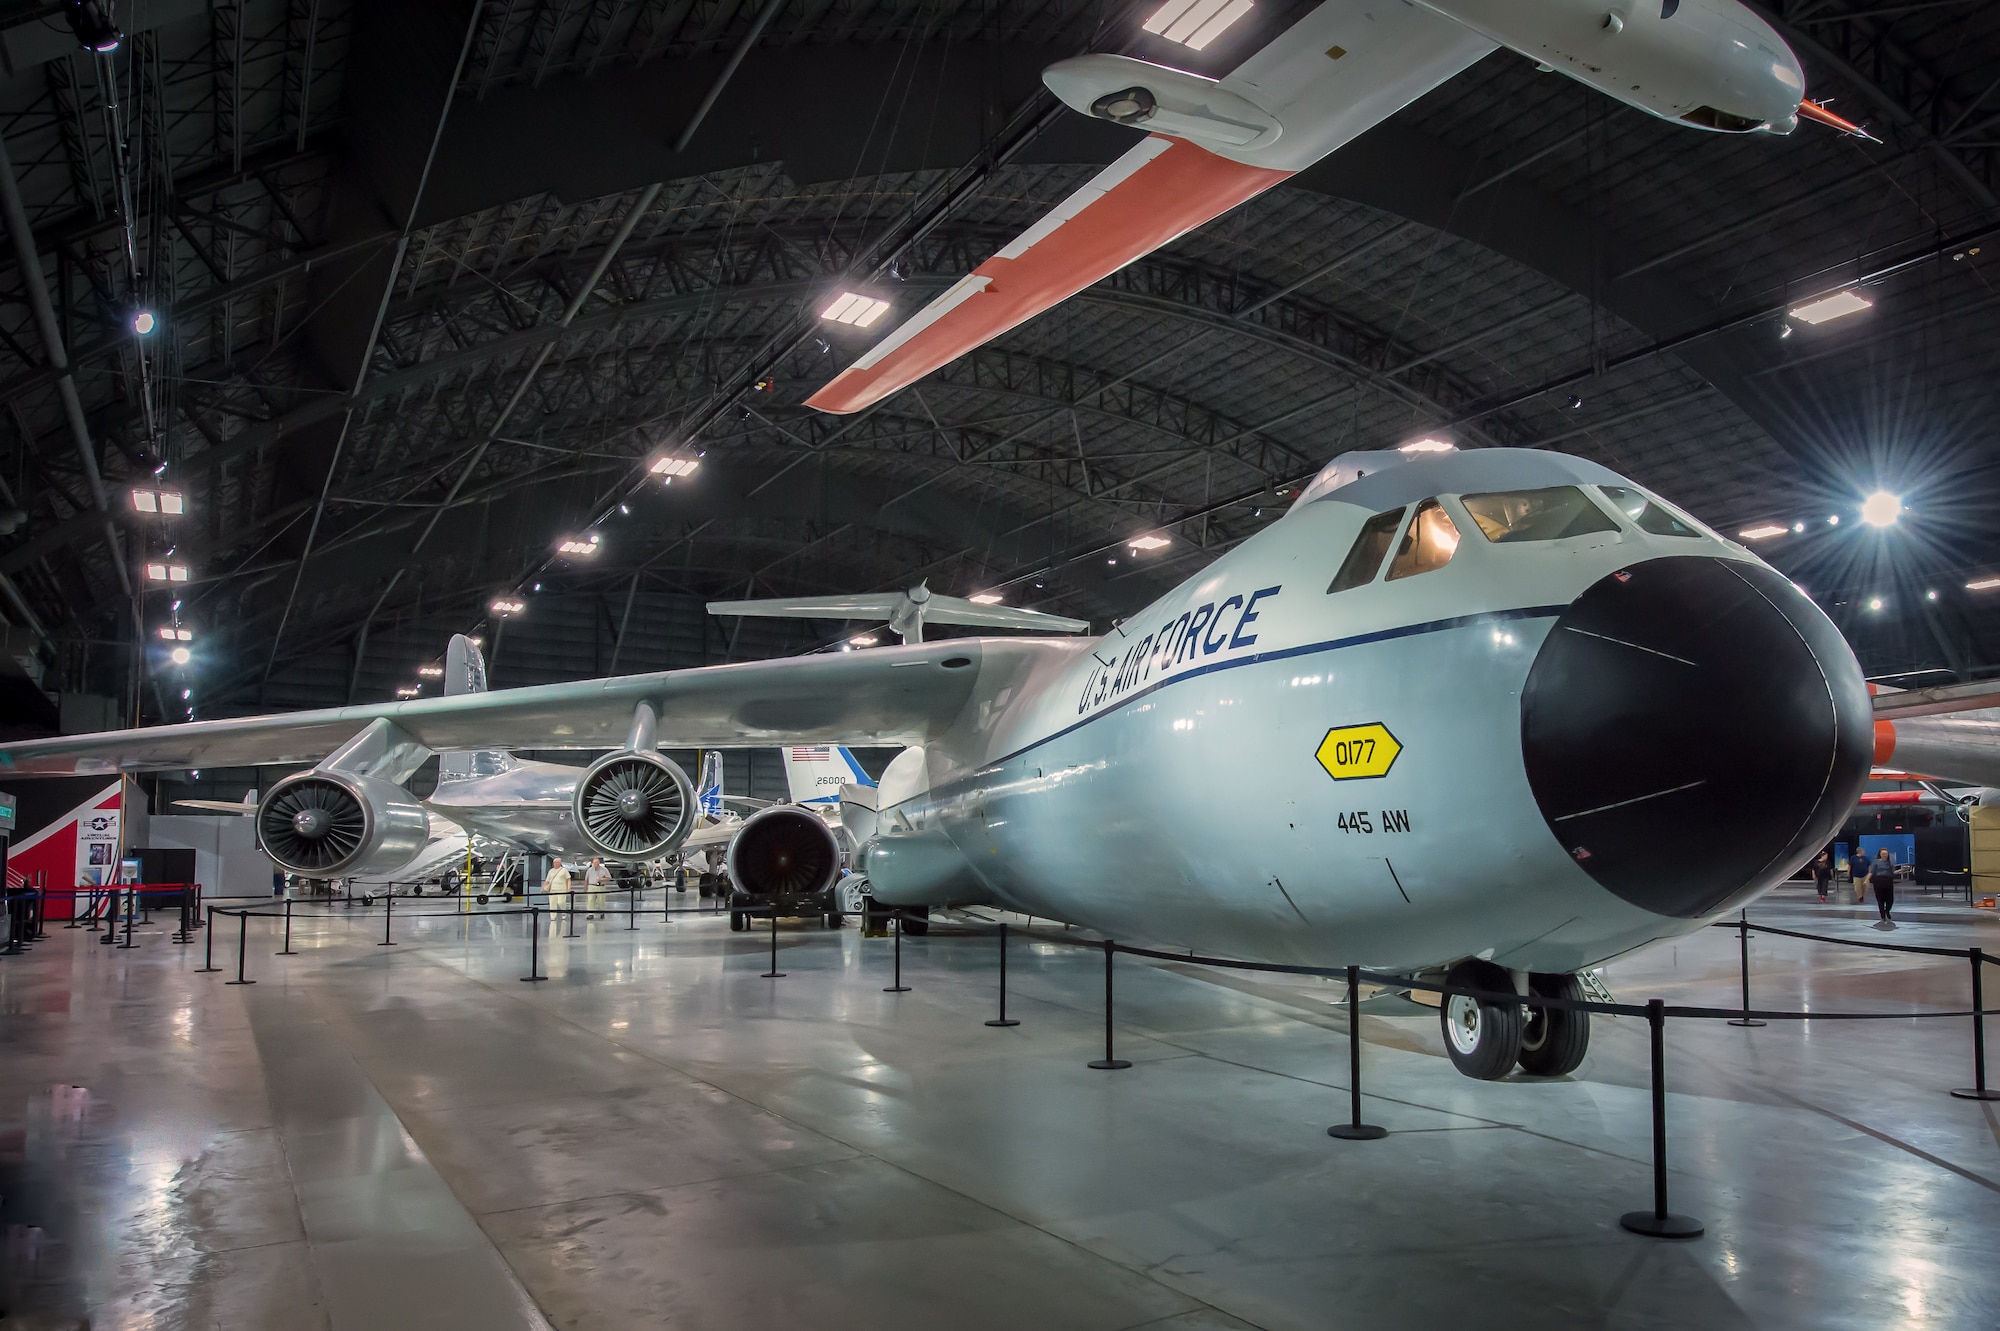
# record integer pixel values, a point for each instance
(784, 852)
(328, 824)
(634, 805)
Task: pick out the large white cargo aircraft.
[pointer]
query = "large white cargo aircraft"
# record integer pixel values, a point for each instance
(1342, 68)
(1475, 711)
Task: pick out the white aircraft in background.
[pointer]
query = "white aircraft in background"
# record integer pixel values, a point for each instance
(1948, 733)
(1463, 702)
(1342, 68)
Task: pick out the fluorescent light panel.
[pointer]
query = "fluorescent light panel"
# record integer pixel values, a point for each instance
(985, 598)
(857, 310)
(508, 606)
(1427, 446)
(1196, 23)
(1149, 542)
(1764, 531)
(573, 545)
(1828, 308)
(671, 466)
(431, 672)
(1983, 585)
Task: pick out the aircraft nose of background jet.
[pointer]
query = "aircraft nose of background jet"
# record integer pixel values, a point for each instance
(1690, 727)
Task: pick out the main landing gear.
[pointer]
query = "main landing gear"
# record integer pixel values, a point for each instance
(1486, 1038)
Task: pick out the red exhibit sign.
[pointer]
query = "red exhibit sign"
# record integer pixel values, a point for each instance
(79, 849)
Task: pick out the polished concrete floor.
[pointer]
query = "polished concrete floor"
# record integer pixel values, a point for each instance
(391, 1137)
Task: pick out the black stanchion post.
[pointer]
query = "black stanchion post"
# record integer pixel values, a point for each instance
(184, 934)
(242, 934)
(40, 930)
(1003, 1019)
(287, 952)
(131, 910)
(208, 959)
(898, 987)
(534, 947)
(110, 934)
(1743, 952)
(1978, 1091)
(1660, 1223)
(631, 907)
(1109, 1063)
(774, 973)
(569, 912)
(388, 915)
(1354, 1130)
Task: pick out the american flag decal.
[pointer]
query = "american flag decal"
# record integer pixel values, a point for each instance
(812, 753)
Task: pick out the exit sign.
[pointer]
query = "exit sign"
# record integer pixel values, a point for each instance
(6, 812)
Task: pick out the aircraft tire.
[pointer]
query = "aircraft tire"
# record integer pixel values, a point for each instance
(738, 922)
(1554, 1042)
(1483, 1039)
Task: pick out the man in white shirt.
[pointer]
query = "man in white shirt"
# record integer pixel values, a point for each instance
(556, 882)
(595, 879)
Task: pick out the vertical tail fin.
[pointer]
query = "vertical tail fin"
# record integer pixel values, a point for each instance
(814, 773)
(465, 672)
(708, 789)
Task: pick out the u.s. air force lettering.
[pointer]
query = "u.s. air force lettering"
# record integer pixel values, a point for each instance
(1210, 629)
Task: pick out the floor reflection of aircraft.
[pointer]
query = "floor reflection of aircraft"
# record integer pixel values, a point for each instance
(1459, 700)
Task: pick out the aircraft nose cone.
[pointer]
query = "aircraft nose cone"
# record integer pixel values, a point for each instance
(310, 824)
(1693, 729)
(633, 805)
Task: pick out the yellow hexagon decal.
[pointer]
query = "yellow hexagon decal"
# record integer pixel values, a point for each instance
(1349, 753)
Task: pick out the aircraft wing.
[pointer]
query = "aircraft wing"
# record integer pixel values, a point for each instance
(937, 609)
(217, 806)
(1155, 193)
(890, 696)
(1891, 704)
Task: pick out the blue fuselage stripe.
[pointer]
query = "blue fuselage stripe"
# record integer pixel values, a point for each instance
(1287, 653)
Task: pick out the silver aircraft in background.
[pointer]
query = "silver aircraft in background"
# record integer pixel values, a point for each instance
(1465, 705)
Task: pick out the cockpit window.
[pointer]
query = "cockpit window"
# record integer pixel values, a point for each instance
(1507, 516)
(1429, 543)
(1645, 514)
(1370, 547)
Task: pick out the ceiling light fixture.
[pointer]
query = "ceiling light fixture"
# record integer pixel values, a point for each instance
(91, 21)
(1881, 509)
(507, 605)
(985, 598)
(143, 322)
(180, 656)
(1150, 541)
(863, 640)
(166, 572)
(1196, 23)
(175, 633)
(1828, 308)
(431, 672)
(168, 502)
(1763, 531)
(408, 691)
(1983, 585)
(856, 310)
(1874, 603)
(1428, 445)
(670, 465)
(578, 545)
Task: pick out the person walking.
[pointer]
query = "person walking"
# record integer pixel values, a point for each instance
(595, 879)
(1882, 882)
(1822, 870)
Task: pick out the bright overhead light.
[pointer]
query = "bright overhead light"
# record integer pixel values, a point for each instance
(1798, 526)
(431, 672)
(477, 642)
(507, 605)
(985, 598)
(1833, 520)
(863, 640)
(143, 322)
(669, 465)
(1763, 531)
(856, 310)
(175, 633)
(577, 545)
(1427, 445)
(1874, 603)
(1828, 308)
(1983, 585)
(180, 656)
(1930, 596)
(166, 572)
(1149, 541)
(1881, 509)
(1196, 23)
(408, 691)
(169, 502)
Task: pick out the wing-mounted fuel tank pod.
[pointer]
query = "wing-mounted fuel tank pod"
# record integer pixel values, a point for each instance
(1712, 64)
(350, 814)
(635, 804)
(912, 861)
(1165, 101)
